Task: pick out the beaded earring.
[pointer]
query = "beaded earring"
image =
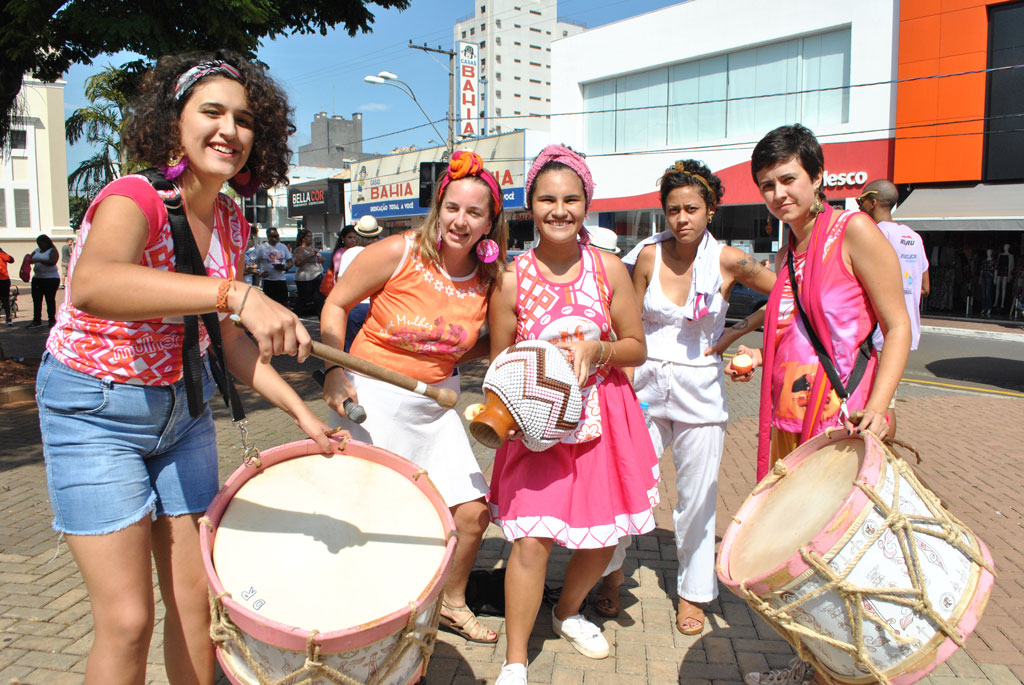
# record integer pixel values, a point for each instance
(176, 165)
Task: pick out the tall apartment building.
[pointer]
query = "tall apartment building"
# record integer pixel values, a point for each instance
(515, 39)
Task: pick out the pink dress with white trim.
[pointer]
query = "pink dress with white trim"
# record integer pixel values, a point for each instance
(601, 482)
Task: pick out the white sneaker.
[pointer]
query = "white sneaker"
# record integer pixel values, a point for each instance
(798, 673)
(512, 674)
(581, 634)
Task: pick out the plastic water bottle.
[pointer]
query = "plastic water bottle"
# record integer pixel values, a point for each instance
(646, 409)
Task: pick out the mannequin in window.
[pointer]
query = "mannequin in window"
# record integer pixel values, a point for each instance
(986, 283)
(1004, 267)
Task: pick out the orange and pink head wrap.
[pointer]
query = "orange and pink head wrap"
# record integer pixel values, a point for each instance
(568, 157)
(465, 163)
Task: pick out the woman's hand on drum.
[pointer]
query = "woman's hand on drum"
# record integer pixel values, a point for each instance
(317, 429)
(582, 354)
(337, 389)
(870, 421)
(276, 328)
(732, 372)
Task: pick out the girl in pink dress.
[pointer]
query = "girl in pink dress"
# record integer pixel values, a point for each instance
(600, 483)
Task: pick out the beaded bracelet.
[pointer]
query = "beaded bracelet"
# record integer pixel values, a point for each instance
(222, 296)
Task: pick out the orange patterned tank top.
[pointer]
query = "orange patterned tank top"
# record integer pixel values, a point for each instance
(423, 320)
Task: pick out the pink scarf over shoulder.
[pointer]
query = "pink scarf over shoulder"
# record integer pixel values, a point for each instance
(811, 297)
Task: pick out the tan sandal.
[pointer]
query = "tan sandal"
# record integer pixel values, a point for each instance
(467, 625)
(689, 612)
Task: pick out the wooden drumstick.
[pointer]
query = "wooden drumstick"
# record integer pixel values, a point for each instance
(443, 396)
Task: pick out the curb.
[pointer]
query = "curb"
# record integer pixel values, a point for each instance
(18, 393)
(973, 333)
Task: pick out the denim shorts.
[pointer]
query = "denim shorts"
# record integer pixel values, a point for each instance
(116, 452)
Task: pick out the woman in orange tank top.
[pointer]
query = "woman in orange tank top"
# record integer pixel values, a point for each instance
(428, 291)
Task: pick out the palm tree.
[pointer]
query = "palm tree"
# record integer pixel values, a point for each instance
(100, 124)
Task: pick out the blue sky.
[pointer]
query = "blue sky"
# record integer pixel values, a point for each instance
(325, 73)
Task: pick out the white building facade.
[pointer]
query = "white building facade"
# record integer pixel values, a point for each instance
(706, 80)
(515, 39)
(33, 173)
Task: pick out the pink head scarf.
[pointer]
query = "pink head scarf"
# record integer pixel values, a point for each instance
(571, 159)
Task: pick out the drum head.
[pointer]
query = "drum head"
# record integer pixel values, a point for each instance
(328, 543)
(796, 508)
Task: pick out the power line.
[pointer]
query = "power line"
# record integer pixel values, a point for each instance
(748, 97)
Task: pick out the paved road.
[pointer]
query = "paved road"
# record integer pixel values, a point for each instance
(973, 446)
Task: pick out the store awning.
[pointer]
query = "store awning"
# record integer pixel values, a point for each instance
(981, 208)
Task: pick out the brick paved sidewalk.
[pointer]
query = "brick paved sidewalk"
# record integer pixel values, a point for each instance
(973, 452)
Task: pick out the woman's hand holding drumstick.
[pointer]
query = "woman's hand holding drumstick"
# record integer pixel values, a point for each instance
(337, 389)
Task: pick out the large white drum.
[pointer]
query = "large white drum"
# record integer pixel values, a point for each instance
(856, 563)
(327, 569)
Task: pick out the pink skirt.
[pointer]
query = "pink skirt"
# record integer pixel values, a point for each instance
(582, 495)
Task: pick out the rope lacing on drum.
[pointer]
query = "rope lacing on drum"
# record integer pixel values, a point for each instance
(315, 669)
(904, 529)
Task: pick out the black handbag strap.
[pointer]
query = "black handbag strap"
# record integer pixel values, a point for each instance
(188, 260)
(863, 355)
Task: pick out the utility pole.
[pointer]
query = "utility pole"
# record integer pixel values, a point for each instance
(450, 145)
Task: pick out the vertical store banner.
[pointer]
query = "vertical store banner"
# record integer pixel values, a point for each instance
(469, 87)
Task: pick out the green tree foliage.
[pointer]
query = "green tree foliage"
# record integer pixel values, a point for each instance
(45, 37)
(100, 125)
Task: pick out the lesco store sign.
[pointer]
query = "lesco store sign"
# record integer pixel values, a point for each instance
(843, 179)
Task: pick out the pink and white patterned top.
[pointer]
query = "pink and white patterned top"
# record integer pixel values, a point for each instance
(141, 352)
(562, 312)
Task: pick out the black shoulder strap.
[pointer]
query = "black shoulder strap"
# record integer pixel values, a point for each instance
(187, 260)
(863, 356)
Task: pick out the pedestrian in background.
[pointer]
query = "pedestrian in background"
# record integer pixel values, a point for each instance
(5, 284)
(65, 258)
(308, 272)
(877, 201)
(45, 281)
(274, 259)
(365, 231)
(251, 273)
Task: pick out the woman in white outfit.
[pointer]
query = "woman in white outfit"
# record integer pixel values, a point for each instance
(684, 282)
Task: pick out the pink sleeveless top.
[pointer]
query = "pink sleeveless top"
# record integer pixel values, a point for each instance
(560, 312)
(850, 320)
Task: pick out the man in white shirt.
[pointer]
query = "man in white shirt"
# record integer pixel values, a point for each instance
(274, 258)
(368, 231)
(878, 200)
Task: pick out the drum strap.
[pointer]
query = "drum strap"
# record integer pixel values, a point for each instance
(187, 260)
(863, 355)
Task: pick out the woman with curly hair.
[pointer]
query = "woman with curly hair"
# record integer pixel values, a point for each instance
(683, 284)
(128, 436)
(429, 291)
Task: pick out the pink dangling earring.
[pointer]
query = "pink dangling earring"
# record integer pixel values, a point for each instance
(175, 167)
(245, 182)
(439, 239)
(487, 250)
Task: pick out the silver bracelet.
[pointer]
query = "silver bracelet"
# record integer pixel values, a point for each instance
(236, 318)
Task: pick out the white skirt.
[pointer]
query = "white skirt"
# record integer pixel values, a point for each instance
(419, 429)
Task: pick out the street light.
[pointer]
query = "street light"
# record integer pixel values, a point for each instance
(386, 78)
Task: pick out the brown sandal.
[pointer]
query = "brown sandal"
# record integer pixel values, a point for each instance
(607, 602)
(468, 626)
(689, 612)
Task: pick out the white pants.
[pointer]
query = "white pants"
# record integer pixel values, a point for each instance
(697, 453)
